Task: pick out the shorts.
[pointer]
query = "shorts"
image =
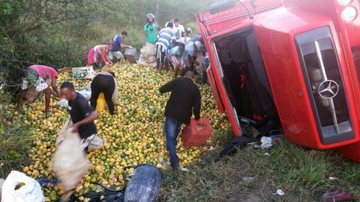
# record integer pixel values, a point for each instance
(116, 54)
(177, 62)
(91, 57)
(31, 76)
(160, 53)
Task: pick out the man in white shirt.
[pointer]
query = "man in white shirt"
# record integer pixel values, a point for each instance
(178, 29)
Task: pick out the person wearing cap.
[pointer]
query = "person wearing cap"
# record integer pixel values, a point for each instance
(178, 56)
(118, 44)
(38, 78)
(99, 55)
(165, 38)
(150, 29)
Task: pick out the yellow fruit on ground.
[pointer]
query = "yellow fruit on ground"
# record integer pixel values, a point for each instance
(133, 135)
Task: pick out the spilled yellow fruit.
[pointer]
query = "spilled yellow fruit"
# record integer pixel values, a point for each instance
(132, 136)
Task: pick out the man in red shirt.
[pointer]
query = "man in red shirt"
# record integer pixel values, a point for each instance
(38, 78)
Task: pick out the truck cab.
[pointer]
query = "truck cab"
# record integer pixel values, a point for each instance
(287, 63)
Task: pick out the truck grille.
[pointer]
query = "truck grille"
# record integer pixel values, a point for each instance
(323, 78)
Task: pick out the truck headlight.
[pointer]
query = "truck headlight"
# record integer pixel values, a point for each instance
(344, 2)
(349, 14)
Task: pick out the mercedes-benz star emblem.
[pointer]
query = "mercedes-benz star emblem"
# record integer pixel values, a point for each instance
(328, 89)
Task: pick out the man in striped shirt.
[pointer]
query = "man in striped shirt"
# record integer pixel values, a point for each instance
(165, 37)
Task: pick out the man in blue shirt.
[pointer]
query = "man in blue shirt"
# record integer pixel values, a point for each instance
(117, 41)
(178, 58)
(165, 37)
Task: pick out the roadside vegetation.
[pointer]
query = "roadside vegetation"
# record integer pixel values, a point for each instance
(15, 141)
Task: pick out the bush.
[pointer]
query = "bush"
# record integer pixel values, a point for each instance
(15, 140)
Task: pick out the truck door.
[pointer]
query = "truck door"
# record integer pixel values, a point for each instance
(215, 90)
(219, 80)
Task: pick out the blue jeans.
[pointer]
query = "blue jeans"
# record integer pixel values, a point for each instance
(172, 129)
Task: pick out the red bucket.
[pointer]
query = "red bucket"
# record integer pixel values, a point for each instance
(196, 133)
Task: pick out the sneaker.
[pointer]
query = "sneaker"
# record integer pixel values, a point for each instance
(166, 167)
(184, 169)
(180, 168)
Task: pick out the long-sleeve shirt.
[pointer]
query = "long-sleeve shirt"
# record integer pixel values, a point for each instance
(184, 99)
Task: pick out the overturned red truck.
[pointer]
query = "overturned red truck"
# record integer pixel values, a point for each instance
(293, 63)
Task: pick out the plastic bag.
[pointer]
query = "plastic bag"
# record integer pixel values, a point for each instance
(24, 84)
(41, 85)
(69, 161)
(1, 185)
(20, 188)
(85, 93)
(94, 142)
(63, 103)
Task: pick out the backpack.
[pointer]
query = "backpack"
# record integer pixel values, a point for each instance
(144, 186)
(238, 142)
(108, 195)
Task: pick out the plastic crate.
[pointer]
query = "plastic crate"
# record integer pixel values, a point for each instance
(82, 72)
(131, 55)
(196, 133)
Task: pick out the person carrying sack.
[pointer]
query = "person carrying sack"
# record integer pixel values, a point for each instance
(82, 116)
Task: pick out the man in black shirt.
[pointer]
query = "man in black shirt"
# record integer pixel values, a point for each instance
(82, 115)
(184, 99)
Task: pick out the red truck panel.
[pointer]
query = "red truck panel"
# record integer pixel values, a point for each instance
(277, 23)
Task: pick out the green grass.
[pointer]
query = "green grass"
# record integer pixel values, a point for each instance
(15, 142)
(303, 174)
